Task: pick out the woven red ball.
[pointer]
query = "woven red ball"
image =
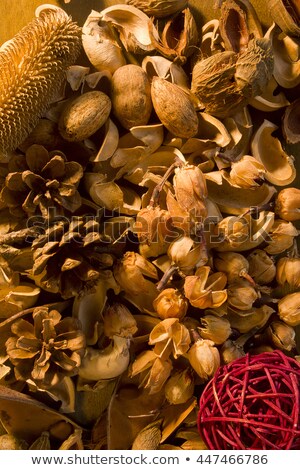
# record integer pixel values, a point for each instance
(252, 403)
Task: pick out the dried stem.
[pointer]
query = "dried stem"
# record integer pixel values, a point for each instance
(166, 277)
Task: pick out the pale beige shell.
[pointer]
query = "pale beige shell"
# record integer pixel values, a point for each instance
(268, 150)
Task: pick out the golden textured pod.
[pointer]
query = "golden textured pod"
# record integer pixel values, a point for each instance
(286, 14)
(158, 8)
(33, 66)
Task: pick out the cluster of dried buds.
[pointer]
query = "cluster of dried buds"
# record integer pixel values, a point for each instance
(148, 201)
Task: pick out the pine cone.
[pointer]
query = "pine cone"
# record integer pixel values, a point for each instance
(70, 254)
(33, 66)
(41, 181)
(47, 350)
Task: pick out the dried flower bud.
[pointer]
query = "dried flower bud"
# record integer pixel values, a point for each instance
(288, 271)
(204, 291)
(130, 272)
(241, 295)
(261, 267)
(190, 190)
(217, 329)
(233, 230)
(281, 335)
(170, 337)
(118, 321)
(187, 254)
(170, 303)
(158, 370)
(234, 265)
(287, 204)
(247, 172)
(230, 351)
(246, 320)
(204, 358)
(151, 225)
(282, 236)
(289, 309)
(149, 437)
(180, 387)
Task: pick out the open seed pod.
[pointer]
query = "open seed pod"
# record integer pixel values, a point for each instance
(286, 52)
(133, 27)
(268, 150)
(179, 38)
(100, 44)
(161, 67)
(158, 8)
(291, 123)
(286, 14)
(270, 99)
(238, 23)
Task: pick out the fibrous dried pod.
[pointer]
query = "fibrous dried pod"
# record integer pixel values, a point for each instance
(158, 8)
(290, 123)
(234, 265)
(217, 329)
(238, 24)
(131, 98)
(100, 44)
(156, 65)
(280, 169)
(50, 44)
(281, 335)
(179, 38)
(254, 67)
(84, 115)
(213, 84)
(289, 309)
(204, 358)
(174, 108)
(286, 14)
(246, 173)
(261, 267)
(241, 295)
(245, 320)
(280, 237)
(288, 272)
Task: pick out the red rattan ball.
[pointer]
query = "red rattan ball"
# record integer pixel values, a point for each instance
(252, 403)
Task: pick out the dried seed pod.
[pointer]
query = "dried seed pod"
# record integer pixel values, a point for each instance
(213, 84)
(174, 108)
(261, 267)
(241, 295)
(254, 67)
(149, 437)
(281, 237)
(288, 272)
(50, 44)
(84, 115)
(204, 358)
(180, 387)
(158, 8)
(217, 329)
(287, 204)
(247, 173)
(10, 442)
(289, 309)
(131, 99)
(118, 321)
(281, 335)
(170, 303)
(234, 265)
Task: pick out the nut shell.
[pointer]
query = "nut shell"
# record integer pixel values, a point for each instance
(131, 98)
(84, 115)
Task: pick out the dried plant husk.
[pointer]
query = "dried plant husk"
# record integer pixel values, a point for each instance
(179, 37)
(238, 24)
(50, 44)
(254, 67)
(232, 200)
(211, 41)
(244, 321)
(174, 108)
(240, 128)
(100, 44)
(286, 14)
(131, 98)
(280, 169)
(149, 437)
(271, 98)
(18, 408)
(160, 66)
(158, 8)
(133, 26)
(213, 84)
(291, 122)
(286, 52)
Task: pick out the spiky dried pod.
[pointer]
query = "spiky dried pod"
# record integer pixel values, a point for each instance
(33, 65)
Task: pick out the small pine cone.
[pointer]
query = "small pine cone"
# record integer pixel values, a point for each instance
(71, 254)
(41, 182)
(33, 66)
(46, 350)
